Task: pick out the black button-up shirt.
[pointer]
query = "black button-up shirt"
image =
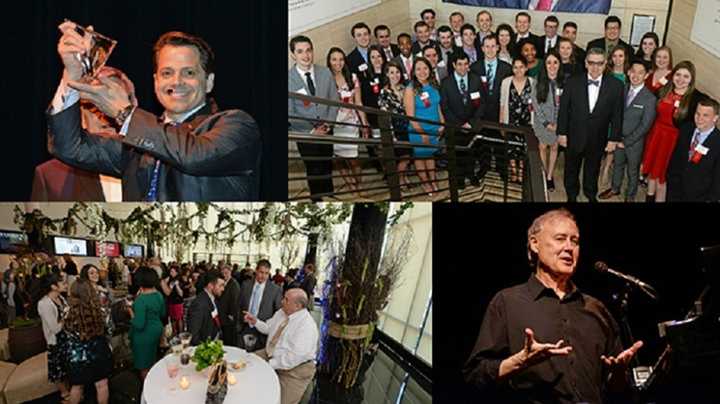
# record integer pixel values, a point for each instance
(581, 320)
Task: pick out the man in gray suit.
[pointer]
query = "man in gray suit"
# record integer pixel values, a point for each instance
(259, 298)
(638, 117)
(307, 78)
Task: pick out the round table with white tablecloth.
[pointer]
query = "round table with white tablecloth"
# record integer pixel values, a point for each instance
(257, 383)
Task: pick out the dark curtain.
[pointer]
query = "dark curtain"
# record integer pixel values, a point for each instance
(248, 38)
(656, 243)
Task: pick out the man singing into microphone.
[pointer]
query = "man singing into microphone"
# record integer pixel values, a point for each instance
(545, 340)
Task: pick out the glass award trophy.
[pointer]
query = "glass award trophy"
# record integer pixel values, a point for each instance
(99, 49)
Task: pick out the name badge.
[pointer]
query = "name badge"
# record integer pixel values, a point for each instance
(301, 91)
(424, 95)
(376, 80)
(363, 67)
(405, 76)
(214, 313)
(484, 79)
(638, 106)
(663, 81)
(441, 63)
(475, 95)
(419, 54)
(346, 94)
(701, 149)
(558, 91)
(677, 104)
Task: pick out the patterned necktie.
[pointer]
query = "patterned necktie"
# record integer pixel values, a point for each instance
(408, 67)
(544, 5)
(491, 75)
(255, 300)
(694, 143)
(310, 83)
(152, 192)
(463, 89)
(270, 348)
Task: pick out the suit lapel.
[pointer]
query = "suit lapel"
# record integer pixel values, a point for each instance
(603, 90)
(298, 79)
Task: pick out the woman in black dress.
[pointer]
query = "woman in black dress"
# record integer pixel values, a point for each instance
(391, 100)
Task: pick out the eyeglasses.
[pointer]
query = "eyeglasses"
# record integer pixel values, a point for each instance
(596, 63)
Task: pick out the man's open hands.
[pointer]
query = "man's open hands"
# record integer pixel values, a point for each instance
(622, 360)
(532, 353)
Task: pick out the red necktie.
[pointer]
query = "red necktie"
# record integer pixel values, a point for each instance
(544, 5)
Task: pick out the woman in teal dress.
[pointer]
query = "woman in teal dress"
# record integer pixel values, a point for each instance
(422, 100)
(617, 67)
(146, 325)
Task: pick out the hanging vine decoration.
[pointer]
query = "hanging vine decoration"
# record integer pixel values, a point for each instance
(265, 223)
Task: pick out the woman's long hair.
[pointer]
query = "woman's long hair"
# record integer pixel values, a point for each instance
(84, 317)
(432, 80)
(345, 70)
(543, 80)
(572, 46)
(509, 29)
(610, 68)
(640, 54)
(654, 56)
(386, 69)
(682, 111)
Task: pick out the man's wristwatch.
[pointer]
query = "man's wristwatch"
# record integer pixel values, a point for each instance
(123, 115)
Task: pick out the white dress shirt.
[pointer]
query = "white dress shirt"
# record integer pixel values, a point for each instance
(302, 72)
(298, 341)
(550, 43)
(593, 92)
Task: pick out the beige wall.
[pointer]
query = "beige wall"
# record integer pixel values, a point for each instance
(590, 26)
(393, 13)
(707, 65)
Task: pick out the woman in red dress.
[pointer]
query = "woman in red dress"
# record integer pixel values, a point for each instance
(674, 105)
(660, 74)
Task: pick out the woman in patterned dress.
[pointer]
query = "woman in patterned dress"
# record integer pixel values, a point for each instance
(391, 100)
(53, 309)
(516, 95)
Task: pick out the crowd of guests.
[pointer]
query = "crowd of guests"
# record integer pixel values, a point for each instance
(154, 302)
(614, 111)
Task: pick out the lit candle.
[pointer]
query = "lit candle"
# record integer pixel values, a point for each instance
(184, 383)
(231, 378)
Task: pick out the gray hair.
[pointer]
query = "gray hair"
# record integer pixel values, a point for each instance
(595, 51)
(537, 225)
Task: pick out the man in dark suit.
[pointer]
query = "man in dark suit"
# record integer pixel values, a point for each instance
(357, 59)
(228, 304)
(261, 299)
(694, 170)
(192, 153)
(638, 117)
(308, 284)
(550, 39)
(307, 78)
(522, 31)
(382, 36)
(422, 35)
(570, 32)
(591, 106)
(613, 28)
(469, 45)
(492, 71)
(204, 317)
(406, 59)
(462, 105)
(447, 46)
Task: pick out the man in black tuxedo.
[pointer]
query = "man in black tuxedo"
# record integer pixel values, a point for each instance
(491, 71)
(591, 105)
(570, 32)
(260, 298)
(382, 36)
(613, 28)
(694, 170)
(522, 31)
(357, 59)
(462, 105)
(422, 36)
(204, 318)
(550, 39)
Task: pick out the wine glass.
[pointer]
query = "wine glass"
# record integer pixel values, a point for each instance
(185, 338)
(172, 365)
(250, 341)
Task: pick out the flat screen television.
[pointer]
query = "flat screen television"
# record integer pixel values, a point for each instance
(12, 242)
(107, 249)
(72, 246)
(133, 250)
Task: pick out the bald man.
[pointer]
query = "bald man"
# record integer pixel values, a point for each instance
(292, 344)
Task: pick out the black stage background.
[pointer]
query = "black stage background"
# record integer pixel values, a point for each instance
(482, 249)
(249, 39)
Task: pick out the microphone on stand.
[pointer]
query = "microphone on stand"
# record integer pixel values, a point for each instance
(601, 266)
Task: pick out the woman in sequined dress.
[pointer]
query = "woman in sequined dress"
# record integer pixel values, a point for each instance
(52, 309)
(88, 355)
